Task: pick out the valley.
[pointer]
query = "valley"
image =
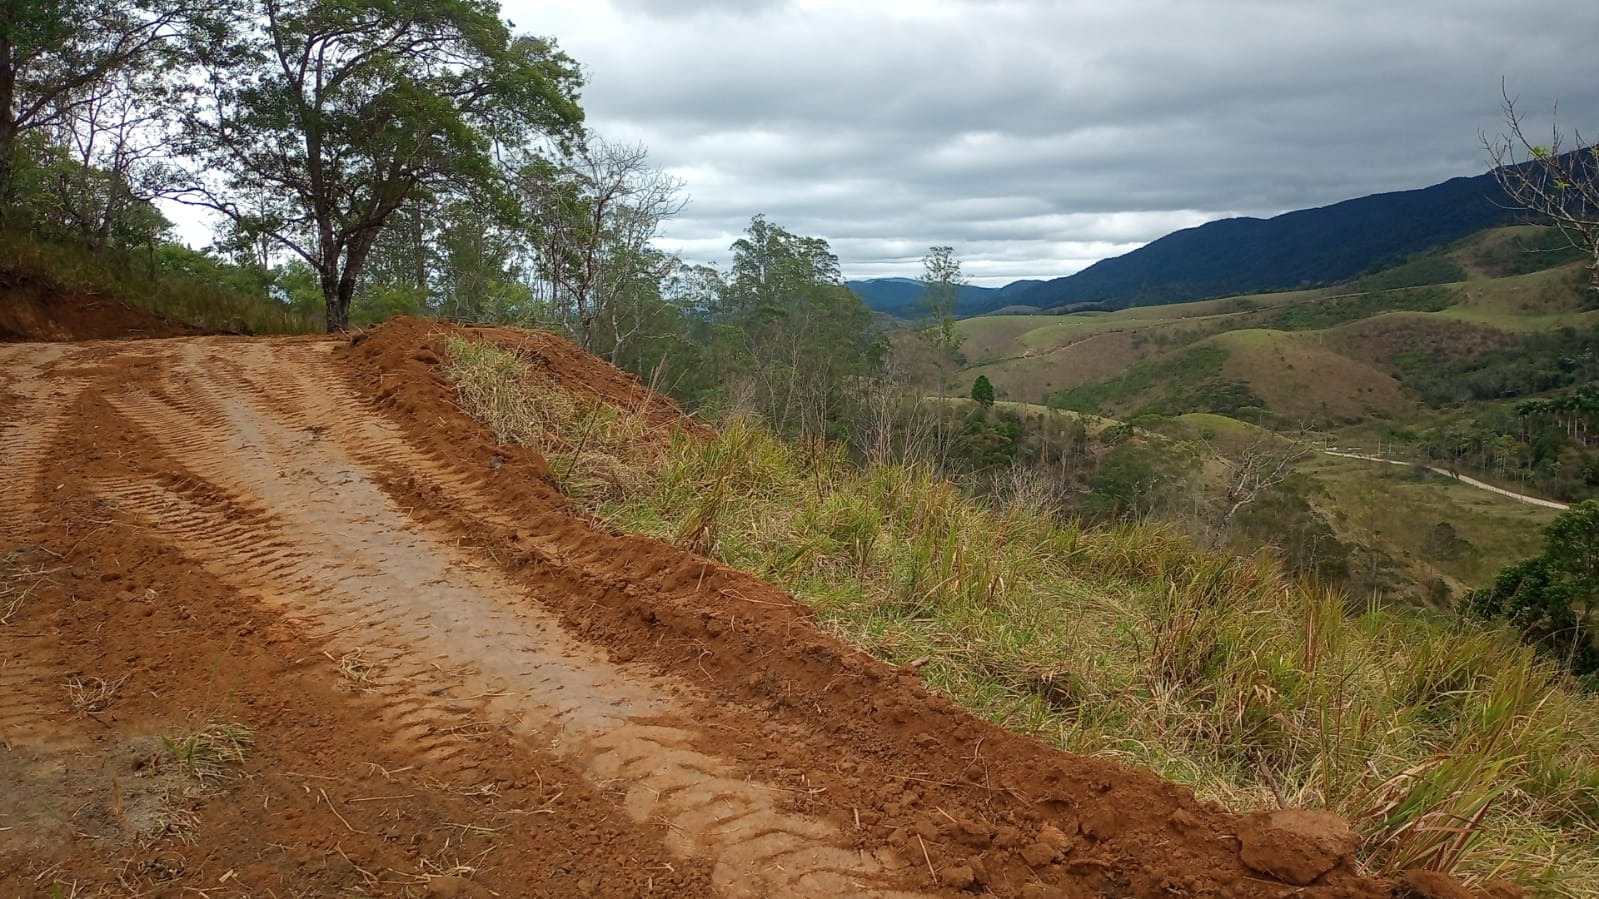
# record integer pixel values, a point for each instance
(1406, 372)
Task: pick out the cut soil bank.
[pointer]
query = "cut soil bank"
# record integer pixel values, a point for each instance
(457, 685)
(30, 311)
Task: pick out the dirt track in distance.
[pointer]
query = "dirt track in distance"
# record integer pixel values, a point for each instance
(456, 685)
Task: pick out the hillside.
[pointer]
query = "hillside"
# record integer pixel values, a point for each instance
(1512, 283)
(310, 591)
(902, 297)
(1397, 239)
(1426, 372)
(316, 604)
(1307, 247)
(58, 290)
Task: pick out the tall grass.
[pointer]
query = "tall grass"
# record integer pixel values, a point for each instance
(173, 296)
(1449, 747)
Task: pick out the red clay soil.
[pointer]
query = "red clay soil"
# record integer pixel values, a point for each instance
(31, 312)
(456, 684)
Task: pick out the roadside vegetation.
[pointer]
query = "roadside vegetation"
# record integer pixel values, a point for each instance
(167, 280)
(1450, 746)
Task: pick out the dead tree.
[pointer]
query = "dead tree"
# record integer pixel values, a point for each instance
(1554, 181)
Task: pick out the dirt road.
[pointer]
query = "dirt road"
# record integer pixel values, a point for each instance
(441, 681)
(1469, 482)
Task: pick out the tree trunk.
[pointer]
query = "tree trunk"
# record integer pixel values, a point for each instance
(343, 288)
(8, 126)
(8, 147)
(338, 314)
(339, 306)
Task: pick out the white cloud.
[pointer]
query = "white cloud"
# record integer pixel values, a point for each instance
(1038, 136)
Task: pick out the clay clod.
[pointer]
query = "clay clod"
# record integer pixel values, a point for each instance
(1295, 846)
(1503, 889)
(1431, 885)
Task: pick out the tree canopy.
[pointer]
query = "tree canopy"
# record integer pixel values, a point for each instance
(316, 122)
(54, 54)
(1551, 598)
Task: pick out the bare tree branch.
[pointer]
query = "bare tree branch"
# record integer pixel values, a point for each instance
(1554, 181)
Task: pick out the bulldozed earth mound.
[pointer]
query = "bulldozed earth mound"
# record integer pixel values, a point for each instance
(278, 619)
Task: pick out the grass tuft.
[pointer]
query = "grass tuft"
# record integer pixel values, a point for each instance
(206, 754)
(92, 695)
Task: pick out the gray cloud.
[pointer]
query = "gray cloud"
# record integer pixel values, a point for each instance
(1037, 136)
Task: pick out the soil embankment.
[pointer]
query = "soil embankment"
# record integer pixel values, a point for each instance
(33, 311)
(457, 685)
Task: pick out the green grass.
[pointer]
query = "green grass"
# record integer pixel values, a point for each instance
(1448, 746)
(1188, 380)
(194, 299)
(1336, 310)
(1030, 357)
(1394, 507)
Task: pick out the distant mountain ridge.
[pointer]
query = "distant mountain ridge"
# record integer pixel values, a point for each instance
(1303, 248)
(902, 297)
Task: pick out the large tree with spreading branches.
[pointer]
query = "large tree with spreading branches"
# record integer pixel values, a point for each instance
(316, 121)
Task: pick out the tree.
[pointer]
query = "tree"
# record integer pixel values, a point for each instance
(983, 391)
(793, 339)
(942, 281)
(594, 214)
(1551, 598)
(1553, 180)
(1268, 460)
(1571, 545)
(318, 121)
(110, 160)
(53, 54)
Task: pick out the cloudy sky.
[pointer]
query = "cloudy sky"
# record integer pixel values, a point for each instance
(1037, 136)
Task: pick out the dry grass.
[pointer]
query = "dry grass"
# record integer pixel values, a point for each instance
(92, 695)
(597, 452)
(1299, 378)
(1449, 747)
(355, 670)
(20, 579)
(1394, 508)
(207, 753)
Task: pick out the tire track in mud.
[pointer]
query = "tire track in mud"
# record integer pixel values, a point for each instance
(296, 520)
(39, 407)
(34, 746)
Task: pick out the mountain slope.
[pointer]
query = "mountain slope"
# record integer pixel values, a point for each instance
(1296, 249)
(902, 297)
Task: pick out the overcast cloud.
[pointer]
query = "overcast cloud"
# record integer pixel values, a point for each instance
(1037, 137)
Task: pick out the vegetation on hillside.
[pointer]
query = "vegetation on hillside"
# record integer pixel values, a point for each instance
(1551, 598)
(1547, 441)
(168, 280)
(1304, 248)
(1488, 379)
(1452, 748)
(1010, 554)
(1187, 381)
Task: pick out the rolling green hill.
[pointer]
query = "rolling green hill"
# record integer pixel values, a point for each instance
(1467, 375)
